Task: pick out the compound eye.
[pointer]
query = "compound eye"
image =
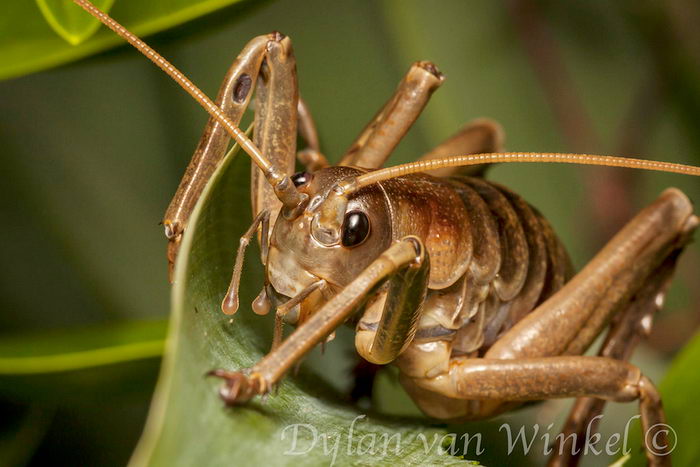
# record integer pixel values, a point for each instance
(301, 178)
(355, 228)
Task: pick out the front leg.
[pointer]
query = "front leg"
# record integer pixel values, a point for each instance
(275, 131)
(233, 98)
(389, 323)
(240, 387)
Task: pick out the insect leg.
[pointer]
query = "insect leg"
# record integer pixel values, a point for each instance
(476, 137)
(486, 381)
(569, 321)
(389, 323)
(307, 127)
(242, 386)
(312, 160)
(379, 138)
(627, 330)
(275, 130)
(233, 98)
(284, 308)
(310, 157)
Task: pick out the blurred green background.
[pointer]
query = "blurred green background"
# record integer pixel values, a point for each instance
(91, 151)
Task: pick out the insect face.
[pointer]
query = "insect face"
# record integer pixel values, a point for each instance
(298, 259)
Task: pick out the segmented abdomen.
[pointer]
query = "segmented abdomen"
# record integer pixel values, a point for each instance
(516, 263)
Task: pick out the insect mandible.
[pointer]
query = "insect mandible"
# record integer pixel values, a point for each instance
(454, 279)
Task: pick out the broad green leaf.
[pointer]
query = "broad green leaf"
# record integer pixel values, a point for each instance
(69, 20)
(29, 43)
(188, 423)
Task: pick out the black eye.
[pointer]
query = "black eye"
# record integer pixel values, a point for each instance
(355, 228)
(301, 178)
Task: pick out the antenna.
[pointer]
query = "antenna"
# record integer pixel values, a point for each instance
(284, 188)
(491, 158)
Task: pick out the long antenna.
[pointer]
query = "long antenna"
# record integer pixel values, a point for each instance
(491, 158)
(272, 174)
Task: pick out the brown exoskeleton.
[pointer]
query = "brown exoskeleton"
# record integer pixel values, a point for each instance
(454, 279)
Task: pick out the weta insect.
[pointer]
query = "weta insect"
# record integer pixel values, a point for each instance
(454, 279)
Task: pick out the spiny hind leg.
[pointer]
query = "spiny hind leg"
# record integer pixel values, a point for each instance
(540, 368)
(569, 321)
(486, 386)
(626, 331)
(424, 360)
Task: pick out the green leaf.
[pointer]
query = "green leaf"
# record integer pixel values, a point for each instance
(29, 43)
(189, 425)
(69, 20)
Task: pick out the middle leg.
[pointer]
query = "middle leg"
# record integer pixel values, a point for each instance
(379, 138)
